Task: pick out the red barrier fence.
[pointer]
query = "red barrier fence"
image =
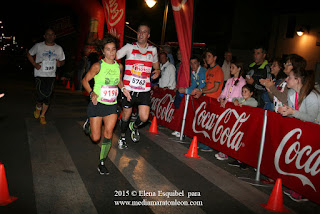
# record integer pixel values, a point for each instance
(291, 149)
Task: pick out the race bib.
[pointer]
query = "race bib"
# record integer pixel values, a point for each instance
(49, 66)
(109, 93)
(138, 82)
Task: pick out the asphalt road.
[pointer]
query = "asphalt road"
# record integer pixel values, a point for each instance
(52, 168)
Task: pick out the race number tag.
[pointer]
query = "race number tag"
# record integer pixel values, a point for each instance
(49, 66)
(138, 82)
(109, 93)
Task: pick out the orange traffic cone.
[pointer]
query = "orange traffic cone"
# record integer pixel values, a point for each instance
(193, 149)
(68, 85)
(119, 118)
(5, 198)
(153, 127)
(275, 202)
(72, 88)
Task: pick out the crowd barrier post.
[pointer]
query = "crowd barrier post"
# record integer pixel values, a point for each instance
(256, 181)
(184, 116)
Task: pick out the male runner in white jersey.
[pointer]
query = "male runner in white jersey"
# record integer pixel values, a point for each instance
(140, 58)
(48, 56)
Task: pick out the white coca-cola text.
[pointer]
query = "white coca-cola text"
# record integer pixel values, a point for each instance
(160, 111)
(294, 154)
(216, 124)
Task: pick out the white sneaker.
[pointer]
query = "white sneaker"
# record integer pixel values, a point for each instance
(221, 156)
(176, 133)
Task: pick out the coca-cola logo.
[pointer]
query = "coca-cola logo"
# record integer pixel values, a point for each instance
(162, 107)
(303, 158)
(114, 14)
(216, 124)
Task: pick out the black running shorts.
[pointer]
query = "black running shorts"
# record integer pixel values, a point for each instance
(44, 88)
(137, 98)
(101, 110)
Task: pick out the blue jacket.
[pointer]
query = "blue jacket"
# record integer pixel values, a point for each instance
(197, 80)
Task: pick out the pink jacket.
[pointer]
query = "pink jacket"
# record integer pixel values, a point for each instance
(230, 90)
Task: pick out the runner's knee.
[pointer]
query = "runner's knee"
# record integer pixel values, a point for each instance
(143, 117)
(108, 134)
(95, 137)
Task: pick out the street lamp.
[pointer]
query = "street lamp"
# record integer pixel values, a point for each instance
(300, 32)
(150, 3)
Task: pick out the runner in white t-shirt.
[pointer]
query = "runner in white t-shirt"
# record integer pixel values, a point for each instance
(141, 57)
(48, 56)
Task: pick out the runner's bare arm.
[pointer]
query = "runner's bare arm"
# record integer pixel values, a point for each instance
(156, 72)
(121, 85)
(31, 60)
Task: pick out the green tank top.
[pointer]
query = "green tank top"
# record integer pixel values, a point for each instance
(106, 83)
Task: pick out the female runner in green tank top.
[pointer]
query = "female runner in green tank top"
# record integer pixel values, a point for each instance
(107, 75)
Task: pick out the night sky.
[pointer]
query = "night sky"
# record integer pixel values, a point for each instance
(25, 19)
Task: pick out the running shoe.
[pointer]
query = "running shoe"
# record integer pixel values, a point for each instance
(295, 196)
(235, 163)
(36, 113)
(268, 181)
(135, 136)
(122, 144)
(221, 156)
(86, 127)
(43, 120)
(244, 166)
(134, 116)
(102, 169)
(176, 133)
(204, 148)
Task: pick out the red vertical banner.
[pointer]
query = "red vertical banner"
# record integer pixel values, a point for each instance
(183, 17)
(115, 13)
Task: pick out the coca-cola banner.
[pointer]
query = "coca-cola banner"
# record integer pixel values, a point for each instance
(115, 12)
(233, 130)
(183, 18)
(162, 107)
(292, 152)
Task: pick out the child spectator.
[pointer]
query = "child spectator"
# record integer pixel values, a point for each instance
(233, 87)
(246, 99)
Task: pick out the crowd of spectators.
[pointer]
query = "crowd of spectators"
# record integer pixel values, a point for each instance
(280, 85)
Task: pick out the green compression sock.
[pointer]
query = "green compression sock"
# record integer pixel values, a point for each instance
(105, 148)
